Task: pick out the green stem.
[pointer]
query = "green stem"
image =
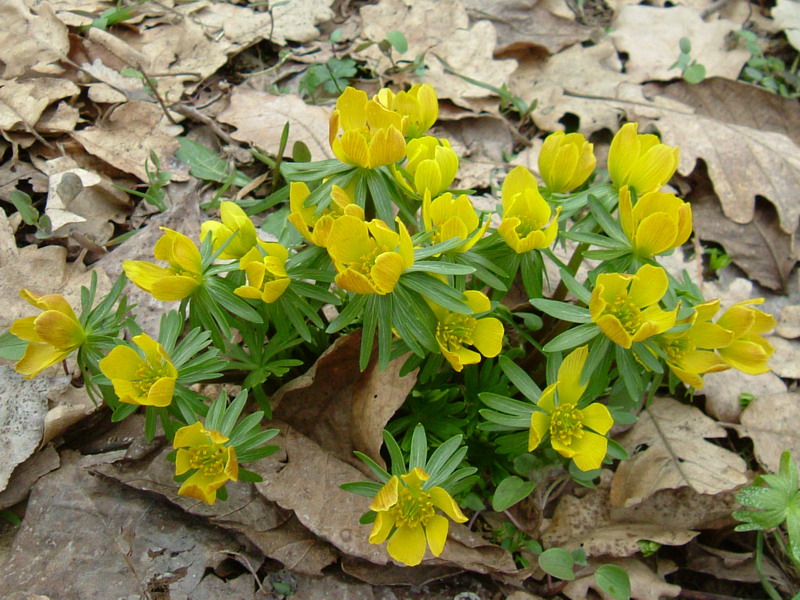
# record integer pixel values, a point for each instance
(655, 383)
(771, 591)
(574, 264)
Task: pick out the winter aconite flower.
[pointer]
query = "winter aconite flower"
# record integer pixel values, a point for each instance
(452, 217)
(369, 257)
(749, 351)
(371, 135)
(432, 166)
(236, 229)
(625, 307)
(266, 274)
(659, 222)
(576, 433)
(214, 463)
(690, 353)
(566, 161)
(455, 331)
(406, 515)
(640, 161)
(315, 226)
(146, 377)
(527, 223)
(52, 335)
(418, 105)
(175, 282)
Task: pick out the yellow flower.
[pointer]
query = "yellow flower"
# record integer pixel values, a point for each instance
(454, 331)
(526, 214)
(576, 433)
(204, 450)
(659, 222)
(52, 335)
(369, 257)
(565, 161)
(625, 307)
(406, 515)
(266, 275)
(371, 136)
(148, 380)
(640, 161)
(236, 226)
(450, 217)
(690, 352)
(432, 165)
(315, 227)
(183, 276)
(419, 105)
(749, 351)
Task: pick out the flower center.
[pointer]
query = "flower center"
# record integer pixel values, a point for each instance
(677, 349)
(527, 225)
(455, 330)
(148, 373)
(627, 312)
(209, 459)
(413, 508)
(566, 424)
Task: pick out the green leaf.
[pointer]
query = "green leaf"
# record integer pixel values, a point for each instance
(510, 491)
(614, 581)
(206, 164)
(433, 289)
(507, 405)
(572, 337)
(558, 563)
(24, 205)
(562, 310)
(11, 347)
(419, 448)
(521, 380)
(606, 221)
(694, 73)
(685, 45)
(575, 288)
(363, 488)
(442, 268)
(398, 41)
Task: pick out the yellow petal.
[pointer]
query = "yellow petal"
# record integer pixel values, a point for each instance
(428, 177)
(460, 356)
(384, 522)
(626, 213)
(173, 288)
(656, 234)
(386, 271)
(623, 154)
(654, 169)
(747, 357)
(39, 357)
(415, 478)
(487, 336)
(190, 436)
(570, 389)
(348, 239)
(25, 330)
(648, 286)
(144, 274)
(161, 392)
(516, 182)
(386, 496)
(407, 545)
(610, 325)
(352, 107)
(273, 290)
(121, 363)
(182, 460)
(353, 281)
(444, 502)
(436, 533)
(387, 146)
(352, 148)
(59, 330)
(597, 418)
(590, 450)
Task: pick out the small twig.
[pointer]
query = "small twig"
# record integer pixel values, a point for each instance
(196, 115)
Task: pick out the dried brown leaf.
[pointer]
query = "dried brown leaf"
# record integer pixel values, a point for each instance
(722, 391)
(761, 248)
(23, 102)
(651, 35)
(786, 360)
(789, 322)
(440, 28)
(31, 41)
(67, 409)
(645, 584)
(748, 137)
(126, 139)
(668, 449)
(771, 422)
(787, 17)
(390, 574)
(527, 24)
(260, 117)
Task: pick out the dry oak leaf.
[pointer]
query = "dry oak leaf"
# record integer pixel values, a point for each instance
(22, 103)
(526, 23)
(786, 360)
(771, 422)
(748, 137)
(789, 322)
(760, 248)
(585, 82)
(722, 391)
(651, 36)
(31, 42)
(645, 584)
(668, 450)
(787, 16)
(260, 117)
(440, 28)
(126, 139)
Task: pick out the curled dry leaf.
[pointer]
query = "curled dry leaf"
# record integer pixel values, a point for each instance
(651, 35)
(771, 422)
(748, 137)
(527, 25)
(391, 574)
(118, 538)
(786, 360)
(260, 117)
(735, 566)
(22, 103)
(722, 391)
(761, 248)
(645, 584)
(668, 449)
(66, 409)
(126, 139)
(440, 28)
(787, 17)
(31, 41)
